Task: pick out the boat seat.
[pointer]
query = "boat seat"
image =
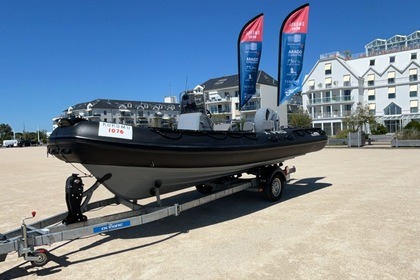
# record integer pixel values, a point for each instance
(268, 125)
(248, 126)
(194, 121)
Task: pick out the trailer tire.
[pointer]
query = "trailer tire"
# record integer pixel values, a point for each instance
(274, 186)
(204, 189)
(43, 257)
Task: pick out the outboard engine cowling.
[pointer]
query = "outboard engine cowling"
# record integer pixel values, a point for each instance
(266, 119)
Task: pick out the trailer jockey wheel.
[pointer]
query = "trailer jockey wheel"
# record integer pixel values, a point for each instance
(42, 255)
(74, 196)
(274, 185)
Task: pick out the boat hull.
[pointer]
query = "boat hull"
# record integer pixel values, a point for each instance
(176, 159)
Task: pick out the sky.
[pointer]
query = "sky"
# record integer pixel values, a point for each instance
(55, 54)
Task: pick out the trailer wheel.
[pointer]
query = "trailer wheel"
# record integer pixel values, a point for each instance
(204, 189)
(42, 255)
(273, 188)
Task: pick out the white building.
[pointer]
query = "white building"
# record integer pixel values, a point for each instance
(223, 98)
(129, 112)
(385, 78)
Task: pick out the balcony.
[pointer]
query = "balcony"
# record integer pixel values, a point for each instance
(220, 111)
(252, 107)
(328, 100)
(331, 115)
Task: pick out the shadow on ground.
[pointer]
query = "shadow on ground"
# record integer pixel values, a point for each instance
(222, 210)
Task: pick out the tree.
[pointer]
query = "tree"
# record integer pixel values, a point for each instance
(6, 132)
(301, 118)
(359, 118)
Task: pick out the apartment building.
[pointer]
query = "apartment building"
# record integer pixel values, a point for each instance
(384, 77)
(222, 99)
(129, 112)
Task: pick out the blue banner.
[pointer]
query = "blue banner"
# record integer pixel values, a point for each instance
(292, 46)
(249, 53)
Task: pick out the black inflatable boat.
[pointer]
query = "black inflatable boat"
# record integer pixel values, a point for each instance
(139, 158)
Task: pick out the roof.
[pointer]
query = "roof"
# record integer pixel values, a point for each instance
(233, 81)
(126, 104)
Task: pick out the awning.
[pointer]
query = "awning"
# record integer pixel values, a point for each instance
(398, 117)
(413, 71)
(371, 77)
(328, 81)
(327, 66)
(311, 83)
(371, 92)
(391, 90)
(391, 75)
(346, 78)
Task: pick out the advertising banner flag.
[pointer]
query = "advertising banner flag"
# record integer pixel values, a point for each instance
(291, 49)
(249, 53)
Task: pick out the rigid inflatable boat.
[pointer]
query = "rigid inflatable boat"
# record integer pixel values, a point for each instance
(136, 160)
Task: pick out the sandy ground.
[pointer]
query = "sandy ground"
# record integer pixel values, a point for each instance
(346, 214)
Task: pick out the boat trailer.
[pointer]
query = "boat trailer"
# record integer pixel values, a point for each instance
(73, 224)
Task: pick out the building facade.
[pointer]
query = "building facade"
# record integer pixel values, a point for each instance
(219, 96)
(222, 99)
(384, 77)
(135, 113)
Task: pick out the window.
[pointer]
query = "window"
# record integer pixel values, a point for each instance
(371, 94)
(392, 109)
(105, 113)
(328, 82)
(414, 106)
(372, 62)
(327, 96)
(372, 109)
(413, 75)
(391, 59)
(414, 56)
(347, 95)
(328, 69)
(413, 90)
(391, 77)
(346, 80)
(391, 92)
(371, 80)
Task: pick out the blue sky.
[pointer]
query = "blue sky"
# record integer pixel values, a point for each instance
(54, 54)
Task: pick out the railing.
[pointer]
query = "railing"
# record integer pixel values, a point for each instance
(349, 55)
(250, 107)
(323, 100)
(326, 115)
(221, 111)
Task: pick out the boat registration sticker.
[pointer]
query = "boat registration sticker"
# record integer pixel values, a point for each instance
(115, 130)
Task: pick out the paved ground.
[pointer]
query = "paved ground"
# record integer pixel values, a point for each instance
(347, 214)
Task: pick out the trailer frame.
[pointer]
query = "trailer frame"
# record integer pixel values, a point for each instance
(59, 227)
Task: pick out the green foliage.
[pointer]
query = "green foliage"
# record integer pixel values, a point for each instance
(359, 118)
(408, 134)
(378, 129)
(413, 124)
(6, 132)
(300, 119)
(342, 134)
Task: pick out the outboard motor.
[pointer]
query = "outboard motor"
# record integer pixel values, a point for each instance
(192, 102)
(266, 119)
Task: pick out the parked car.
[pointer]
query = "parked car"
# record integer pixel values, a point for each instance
(10, 143)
